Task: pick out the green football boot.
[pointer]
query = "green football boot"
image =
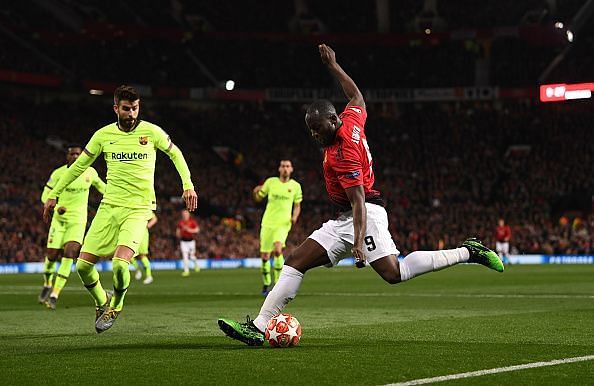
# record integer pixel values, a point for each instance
(244, 332)
(480, 254)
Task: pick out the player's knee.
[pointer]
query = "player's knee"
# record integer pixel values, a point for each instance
(72, 253)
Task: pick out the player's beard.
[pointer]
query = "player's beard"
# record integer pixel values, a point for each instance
(127, 124)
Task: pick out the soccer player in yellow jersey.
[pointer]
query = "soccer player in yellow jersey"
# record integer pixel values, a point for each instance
(67, 229)
(129, 147)
(282, 211)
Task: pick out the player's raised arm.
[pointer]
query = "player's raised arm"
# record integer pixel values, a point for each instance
(348, 85)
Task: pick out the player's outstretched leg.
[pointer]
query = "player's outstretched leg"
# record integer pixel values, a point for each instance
(480, 254)
(121, 282)
(90, 278)
(246, 332)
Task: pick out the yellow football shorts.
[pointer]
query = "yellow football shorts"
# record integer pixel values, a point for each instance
(116, 225)
(61, 232)
(270, 235)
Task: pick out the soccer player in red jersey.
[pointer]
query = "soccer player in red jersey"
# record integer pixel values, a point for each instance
(361, 229)
(502, 237)
(187, 229)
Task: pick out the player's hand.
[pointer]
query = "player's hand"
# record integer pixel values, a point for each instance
(327, 54)
(48, 209)
(191, 199)
(255, 194)
(61, 210)
(359, 256)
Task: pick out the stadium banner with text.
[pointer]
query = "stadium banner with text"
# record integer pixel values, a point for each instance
(254, 262)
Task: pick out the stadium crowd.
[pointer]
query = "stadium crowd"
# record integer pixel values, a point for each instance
(447, 170)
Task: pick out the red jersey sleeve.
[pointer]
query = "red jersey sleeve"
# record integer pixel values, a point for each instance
(356, 115)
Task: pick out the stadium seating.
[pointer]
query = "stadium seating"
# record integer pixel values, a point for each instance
(447, 170)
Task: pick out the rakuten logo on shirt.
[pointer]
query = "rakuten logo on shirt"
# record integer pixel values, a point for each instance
(124, 157)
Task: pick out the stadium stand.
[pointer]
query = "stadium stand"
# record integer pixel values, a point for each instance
(448, 170)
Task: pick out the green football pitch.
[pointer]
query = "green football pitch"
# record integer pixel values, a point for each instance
(356, 330)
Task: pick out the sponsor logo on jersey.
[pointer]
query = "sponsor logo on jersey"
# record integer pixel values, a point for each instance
(143, 140)
(356, 136)
(279, 197)
(127, 156)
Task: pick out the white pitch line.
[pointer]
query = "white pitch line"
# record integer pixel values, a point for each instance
(497, 370)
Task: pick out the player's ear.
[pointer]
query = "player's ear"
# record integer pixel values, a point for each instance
(115, 109)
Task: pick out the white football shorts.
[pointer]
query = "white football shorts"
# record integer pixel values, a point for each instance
(502, 247)
(336, 236)
(188, 248)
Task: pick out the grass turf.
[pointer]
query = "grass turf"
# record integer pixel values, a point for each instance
(356, 329)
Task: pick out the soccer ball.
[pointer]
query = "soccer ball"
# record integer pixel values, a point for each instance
(283, 330)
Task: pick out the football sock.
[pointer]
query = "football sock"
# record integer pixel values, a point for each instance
(266, 272)
(283, 292)
(277, 266)
(147, 266)
(48, 270)
(121, 281)
(420, 262)
(134, 262)
(195, 260)
(186, 263)
(62, 276)
(90, 278)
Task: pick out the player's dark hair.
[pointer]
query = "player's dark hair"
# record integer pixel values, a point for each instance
(321, 107)
(125, 93)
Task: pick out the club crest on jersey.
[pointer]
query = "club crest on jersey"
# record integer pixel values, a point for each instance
(143, 140)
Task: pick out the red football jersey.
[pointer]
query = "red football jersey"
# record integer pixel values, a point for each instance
(347, 161)
(503, 233)
(187, 224)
